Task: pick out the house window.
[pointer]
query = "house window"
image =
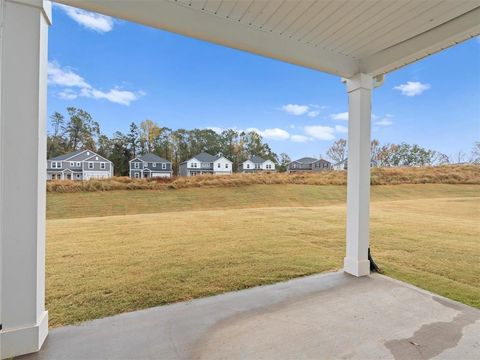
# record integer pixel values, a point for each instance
(96, 157)
(137, 175)
(226, 166)
(136, 165)
(90, 165)
(248, 166)
(154, 164)
(72, 163)
(145, 164)
(103, 166)
(218, 165)
(88, 153)
(193, 165)
(56, 164)
(78, 176)
(78, 164)
(164, 166)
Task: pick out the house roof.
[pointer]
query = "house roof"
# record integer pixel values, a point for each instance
(206, 157)
(68, 155)
(306, 160)
(257, 160)
(152, 158)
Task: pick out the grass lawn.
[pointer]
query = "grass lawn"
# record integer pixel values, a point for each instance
(117, 251)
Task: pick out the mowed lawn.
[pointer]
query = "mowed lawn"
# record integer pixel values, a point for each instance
(118, 251)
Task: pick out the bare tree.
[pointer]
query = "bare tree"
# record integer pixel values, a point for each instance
(375, 152)
(475, 158)
(338, 151)
(439, 158)
(459, 157)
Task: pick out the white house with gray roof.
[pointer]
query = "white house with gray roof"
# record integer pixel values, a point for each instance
(256, 164)
(150, 166)
(79, 165)
(205, 163)
(309, 164)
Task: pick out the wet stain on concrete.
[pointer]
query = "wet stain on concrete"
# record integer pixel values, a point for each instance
(434, 338)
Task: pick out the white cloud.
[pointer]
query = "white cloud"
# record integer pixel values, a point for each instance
(412, 88)
(320, 132)
(300, 138)
(66, 78)
(117, 96)
(67, 94)
(310, 110)
(385, 121)
(92, 21)
(341, 129)
(217, 129)
(340, 116)
(296, 110)
(273, 134)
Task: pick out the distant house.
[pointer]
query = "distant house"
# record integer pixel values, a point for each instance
(342, 165)
(205, 163)
(256, 164)
(79, 165)
(308, 164)
(150, 166)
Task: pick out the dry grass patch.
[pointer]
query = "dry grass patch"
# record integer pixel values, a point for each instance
(123, 202)
(451, 174)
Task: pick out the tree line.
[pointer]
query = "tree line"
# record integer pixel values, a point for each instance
(80, 131)
(403, 154)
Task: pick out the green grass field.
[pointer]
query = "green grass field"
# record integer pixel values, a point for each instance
(117, 251)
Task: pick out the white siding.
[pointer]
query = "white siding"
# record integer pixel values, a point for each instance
(160, 174)
(248, 165)
(222, 166)
(268, 162)
(194, 164)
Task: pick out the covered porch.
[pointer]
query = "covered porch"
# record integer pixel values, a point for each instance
(358, 41)
(315, 317)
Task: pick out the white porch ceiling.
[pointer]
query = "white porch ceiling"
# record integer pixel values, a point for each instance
(341, 37)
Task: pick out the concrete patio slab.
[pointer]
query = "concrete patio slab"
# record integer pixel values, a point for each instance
(327, 316)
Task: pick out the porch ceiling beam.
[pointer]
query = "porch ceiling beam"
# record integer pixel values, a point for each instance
(427, 43)
(197, 24)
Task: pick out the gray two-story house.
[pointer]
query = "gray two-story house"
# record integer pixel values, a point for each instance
(79, 165)
(308, 164)
(150, 166)
(205, 163)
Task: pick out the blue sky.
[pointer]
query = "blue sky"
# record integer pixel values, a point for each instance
(122, 72)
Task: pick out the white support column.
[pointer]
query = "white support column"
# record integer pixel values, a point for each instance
(23, 80)
(359, 90)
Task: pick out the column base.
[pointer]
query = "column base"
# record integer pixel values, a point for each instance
(25, 340)
(355, 267)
